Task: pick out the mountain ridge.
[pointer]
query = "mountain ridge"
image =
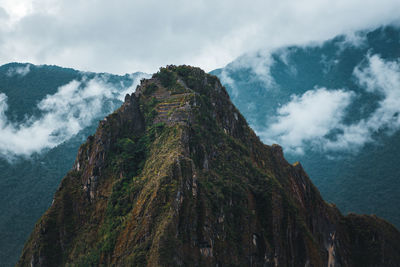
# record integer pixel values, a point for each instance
(293, 75)
(177, 177)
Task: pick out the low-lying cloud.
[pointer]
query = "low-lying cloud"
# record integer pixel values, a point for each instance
(72, 108)
(260, 62)
(308, 118)
(259, 65)
(20, 71)
(315, 119)
(378, 77)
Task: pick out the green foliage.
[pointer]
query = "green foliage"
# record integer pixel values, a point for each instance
(183, 70)
(169, 77)
(129, 154)
(90, 259)
(150, 89)
(139, 254)
(166, 77)
(178, 89)
(149, 110)
(128, 158)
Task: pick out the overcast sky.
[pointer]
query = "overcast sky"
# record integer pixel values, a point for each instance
(124, 36)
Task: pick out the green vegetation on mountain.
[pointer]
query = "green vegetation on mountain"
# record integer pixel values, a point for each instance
(363, 180)
(175, 177)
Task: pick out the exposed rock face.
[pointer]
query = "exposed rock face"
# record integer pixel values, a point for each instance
(176, 177)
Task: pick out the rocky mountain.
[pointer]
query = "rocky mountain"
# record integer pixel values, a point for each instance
(333, 106)
(176, 177)
(59, 109)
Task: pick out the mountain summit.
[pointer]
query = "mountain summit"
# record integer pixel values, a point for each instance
(175, 177)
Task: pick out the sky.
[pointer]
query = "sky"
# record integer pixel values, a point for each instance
(126, 36)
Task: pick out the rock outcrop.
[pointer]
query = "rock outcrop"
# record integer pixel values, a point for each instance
(176, 177)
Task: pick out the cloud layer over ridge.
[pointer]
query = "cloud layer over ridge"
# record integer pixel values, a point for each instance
(316, 118)
(128, 36)
(72, 108)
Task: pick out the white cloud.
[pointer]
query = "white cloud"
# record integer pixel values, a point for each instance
(73, 107)
(136, 81)
(307, 121)
(144, 35)
(21, 71)
(258, 63)
(354, 39)
(308, 118)
(378, 77)
(227, 80)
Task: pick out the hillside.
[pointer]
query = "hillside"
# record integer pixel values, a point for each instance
(333, 106)
(176, 177)
(34, 99)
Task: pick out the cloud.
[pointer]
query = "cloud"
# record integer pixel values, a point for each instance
(227, 80)
(257, 63)
(20, 71)
(377, 77)
(135, 82)
(308, 118)
(135, 35)
(353, 39)
(73, 107)
(314, 120)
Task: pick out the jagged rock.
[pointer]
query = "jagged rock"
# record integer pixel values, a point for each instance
(176, 177)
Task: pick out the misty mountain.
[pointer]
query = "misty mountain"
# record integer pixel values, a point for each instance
(176, 177)
(46, 112)
(324, 103)
(333, 106)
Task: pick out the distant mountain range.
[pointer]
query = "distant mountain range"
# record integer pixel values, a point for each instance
(333, 106)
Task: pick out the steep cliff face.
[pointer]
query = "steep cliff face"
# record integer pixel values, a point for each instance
(176, 177)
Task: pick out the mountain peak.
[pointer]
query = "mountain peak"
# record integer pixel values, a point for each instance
(175, 177)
